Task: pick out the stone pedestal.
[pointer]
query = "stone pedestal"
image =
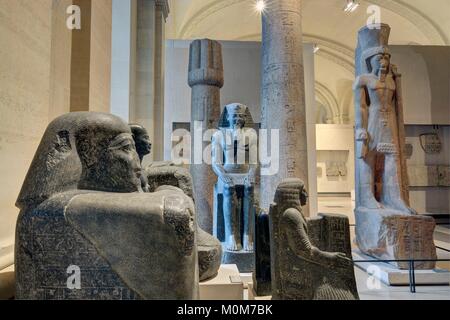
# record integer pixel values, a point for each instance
(253, 295)
(206, 80)
(393, 235)
(283, 93)
(245, 261)
(393, 276)
(226, 286)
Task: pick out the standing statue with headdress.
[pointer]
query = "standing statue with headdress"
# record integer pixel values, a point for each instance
(381, 176)
(235, 162)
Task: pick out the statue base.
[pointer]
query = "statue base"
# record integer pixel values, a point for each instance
(254, 296)
(227, 285)
(388, 234)
(245, 260)
(392, 276)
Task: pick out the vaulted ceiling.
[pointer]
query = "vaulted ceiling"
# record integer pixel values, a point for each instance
(420, 22)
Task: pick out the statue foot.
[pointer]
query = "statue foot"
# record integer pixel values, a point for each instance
(401, 206)
(248, 247)
(233, 245)
(248, 244)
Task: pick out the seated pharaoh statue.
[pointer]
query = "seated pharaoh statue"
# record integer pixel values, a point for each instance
(160, 174)
(86, 230)
(235, 162)
(386, 226)
(310, 259)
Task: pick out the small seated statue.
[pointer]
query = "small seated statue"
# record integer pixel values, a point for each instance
(87, 231)
(235, 162)
(162, 174)
(310, 260)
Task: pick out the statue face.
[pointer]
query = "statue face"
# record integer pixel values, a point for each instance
(380, 62)
(143, 144)
(121, 163)
(303, 197)
(236, 120)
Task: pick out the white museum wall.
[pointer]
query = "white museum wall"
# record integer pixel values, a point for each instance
(426, 93)
(242, 64)
(428, 198)
(335, 145)
(426, 83)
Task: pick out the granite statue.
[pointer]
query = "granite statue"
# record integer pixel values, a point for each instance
(387, 227)
(165, 174)
(310, 260)
(235, 162)
(86, 229)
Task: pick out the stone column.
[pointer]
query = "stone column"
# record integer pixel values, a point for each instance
(161, 12)
(147, 83)
(283, 93)
(90, 83)
(206, 80)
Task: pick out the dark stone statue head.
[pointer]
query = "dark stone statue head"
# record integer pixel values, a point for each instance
(108, 155)
(380, 63)
(142, 140)
(236, 115)
(291, 193)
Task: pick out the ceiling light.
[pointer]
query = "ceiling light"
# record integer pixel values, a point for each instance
(351, 6)
(260, 5)
(316, 48)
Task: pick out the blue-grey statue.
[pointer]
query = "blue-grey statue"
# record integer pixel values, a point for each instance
(235, 162)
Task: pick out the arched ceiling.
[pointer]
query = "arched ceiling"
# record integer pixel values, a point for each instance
(420, 22)
(412, 20)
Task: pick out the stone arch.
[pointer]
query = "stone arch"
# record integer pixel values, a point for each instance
(329, 101)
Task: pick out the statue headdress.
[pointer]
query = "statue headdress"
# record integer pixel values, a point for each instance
(56, 166)
(372, 40)
(236, 108)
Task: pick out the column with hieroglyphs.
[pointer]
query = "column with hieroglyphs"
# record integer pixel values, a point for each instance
(283, 93)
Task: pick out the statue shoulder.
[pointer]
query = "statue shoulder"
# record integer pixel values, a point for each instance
(292, 215)
(252, 135)
(361, 81)
(218, 136)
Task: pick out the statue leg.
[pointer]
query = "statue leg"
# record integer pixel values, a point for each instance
(249, 218)
(232, 221)
(391, 195)
(366, 174)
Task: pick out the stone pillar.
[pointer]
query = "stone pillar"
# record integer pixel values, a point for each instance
(147, 83)
(161, 12)
(206, 80)
(90, 83)
(283, 93)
